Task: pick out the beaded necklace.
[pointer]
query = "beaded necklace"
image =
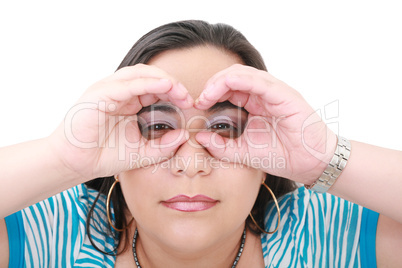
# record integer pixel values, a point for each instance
(236, 261)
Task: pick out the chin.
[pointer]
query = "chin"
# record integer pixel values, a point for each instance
(190, 237)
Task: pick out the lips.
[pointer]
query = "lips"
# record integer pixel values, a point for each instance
(190, 204)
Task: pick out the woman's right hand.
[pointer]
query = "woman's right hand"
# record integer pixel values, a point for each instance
(100, 134)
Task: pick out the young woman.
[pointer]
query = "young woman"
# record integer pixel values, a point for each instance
(196, 149)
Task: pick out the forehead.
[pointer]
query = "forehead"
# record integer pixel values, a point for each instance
(194, 66)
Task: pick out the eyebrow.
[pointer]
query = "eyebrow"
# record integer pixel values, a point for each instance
(167, 108)
(162, 107)
(223, 106)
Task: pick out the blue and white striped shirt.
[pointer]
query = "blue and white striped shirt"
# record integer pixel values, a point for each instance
(316, 230)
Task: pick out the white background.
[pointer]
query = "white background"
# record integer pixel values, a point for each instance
(348, 53)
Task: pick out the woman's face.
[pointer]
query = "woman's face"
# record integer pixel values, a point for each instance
(159, 196)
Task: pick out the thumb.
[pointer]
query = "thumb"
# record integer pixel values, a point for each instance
(161, 149)
(225, 149)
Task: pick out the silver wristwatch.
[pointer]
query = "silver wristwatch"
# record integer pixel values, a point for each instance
(334, 168)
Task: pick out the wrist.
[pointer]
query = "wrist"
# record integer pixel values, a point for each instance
(334, 167)
(59, 165)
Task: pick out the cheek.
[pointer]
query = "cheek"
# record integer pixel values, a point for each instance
(138, 189)
(242, 190)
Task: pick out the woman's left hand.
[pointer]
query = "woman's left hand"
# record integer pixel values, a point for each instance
(284, 136)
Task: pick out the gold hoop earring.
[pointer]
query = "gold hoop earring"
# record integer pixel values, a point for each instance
(108, 206)
(277, 207)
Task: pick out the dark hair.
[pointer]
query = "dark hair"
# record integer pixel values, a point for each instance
(179, 35)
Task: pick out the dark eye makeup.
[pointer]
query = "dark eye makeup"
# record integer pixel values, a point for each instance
(227, 126)
(223, 118)
(155, 130)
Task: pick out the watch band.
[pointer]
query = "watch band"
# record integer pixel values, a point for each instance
(334, 168)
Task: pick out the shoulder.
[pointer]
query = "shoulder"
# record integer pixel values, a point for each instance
(57, 228)
(303, 203)
(312, 227)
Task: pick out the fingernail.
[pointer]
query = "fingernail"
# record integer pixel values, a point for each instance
(187, 135)
(181, 92)
(200, 98)
(203, 95)
(189, 99)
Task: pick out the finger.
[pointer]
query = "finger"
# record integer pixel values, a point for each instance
(122, 98)
(210, 95)
(249, 149)
(120, 94)
(148, 99)
(126, 108)
(268, 96)
(216, 89)
(222, 90)
(177, 91)
(186, 103)
(222, 148)
(238, 98)
(214, 143)
(124, 90)
(162, 149)
(256, 92)
(260, 84)
(183, 103)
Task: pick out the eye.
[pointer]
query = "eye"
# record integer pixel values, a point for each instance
(222, 126)
(155, 130)
(159, 127)
(226, 129)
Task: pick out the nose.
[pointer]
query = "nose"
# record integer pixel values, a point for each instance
(191, 159)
